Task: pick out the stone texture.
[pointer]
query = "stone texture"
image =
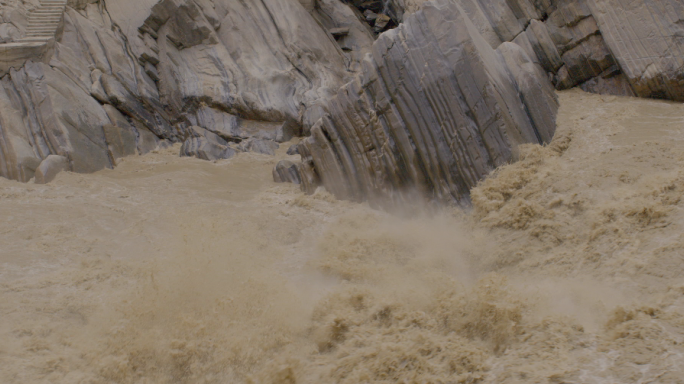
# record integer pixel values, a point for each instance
(293, 150)
(287, 131)
(206, 145)
(336, 16)
(286, 172)
(647, 39)
(50, 167)
(121, 142)
(85, 99)
(439, 128)
(14, 55)
(262, 146)
(432, 105)
(200, 63)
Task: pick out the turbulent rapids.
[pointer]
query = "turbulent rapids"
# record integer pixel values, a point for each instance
(567, 269)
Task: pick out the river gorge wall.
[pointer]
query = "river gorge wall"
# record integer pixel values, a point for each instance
(431, 106)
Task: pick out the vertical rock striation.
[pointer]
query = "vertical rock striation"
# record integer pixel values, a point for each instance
(430, 106)
(434, 110)
(449, 94)
(85, 102)
(646, 38)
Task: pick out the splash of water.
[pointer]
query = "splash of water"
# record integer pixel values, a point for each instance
(177, 270)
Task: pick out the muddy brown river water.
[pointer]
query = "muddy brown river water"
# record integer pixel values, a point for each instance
(568, 269)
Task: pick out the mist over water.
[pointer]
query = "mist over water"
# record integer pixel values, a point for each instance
(568, 269)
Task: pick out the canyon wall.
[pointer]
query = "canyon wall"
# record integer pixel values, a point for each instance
(431, 113)
(431, 106)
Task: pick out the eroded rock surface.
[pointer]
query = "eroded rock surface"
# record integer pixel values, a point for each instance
(286, 172)
(435, 110)
(50, 167)
(206, 145)
(413, 121)
(425, 106)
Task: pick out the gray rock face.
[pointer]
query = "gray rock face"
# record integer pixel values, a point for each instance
(433, 105)
(286, 172)
(435, 109)
(50, 167)
(120, 141)
(631, 48)
(646, 38)
(206, 145)
(352, 36)
(89, 101)
(246, 58)
(293, 150)
(411, 121)
(287, 131)
(264, 147)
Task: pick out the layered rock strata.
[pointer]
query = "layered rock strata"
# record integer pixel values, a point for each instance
(434, 110)
(89, 102)
(615, 47)
(126, 76)
(413, 121)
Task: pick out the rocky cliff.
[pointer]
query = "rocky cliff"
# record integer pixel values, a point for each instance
(435, 109)
(432, 105)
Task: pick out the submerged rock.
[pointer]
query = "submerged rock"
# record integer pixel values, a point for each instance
(293, 150)
(428, 106)
(206, 145)
(287, 131)
(286, 172)
(262, 146)
(50, 167)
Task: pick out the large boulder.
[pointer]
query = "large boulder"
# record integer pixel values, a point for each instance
(265, 60)
(206, 145)
(435, 110)
(50, 167)
(286, 172)
(262, 146)
(646, 37)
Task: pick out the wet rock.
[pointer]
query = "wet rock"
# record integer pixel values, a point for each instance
(205, 145)
(265, 147)
(534, 89)
(146, 140)
(50, 167)
(221, 123)
(293, 150)
(287, 131)
(286, 172)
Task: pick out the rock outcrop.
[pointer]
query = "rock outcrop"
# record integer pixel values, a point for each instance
(410, 120)
(49, 168)
(286, 172)
(206, 145)
(69, 103)
(631, 48)
(646, 38)
(435, 110)
(432, 105)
